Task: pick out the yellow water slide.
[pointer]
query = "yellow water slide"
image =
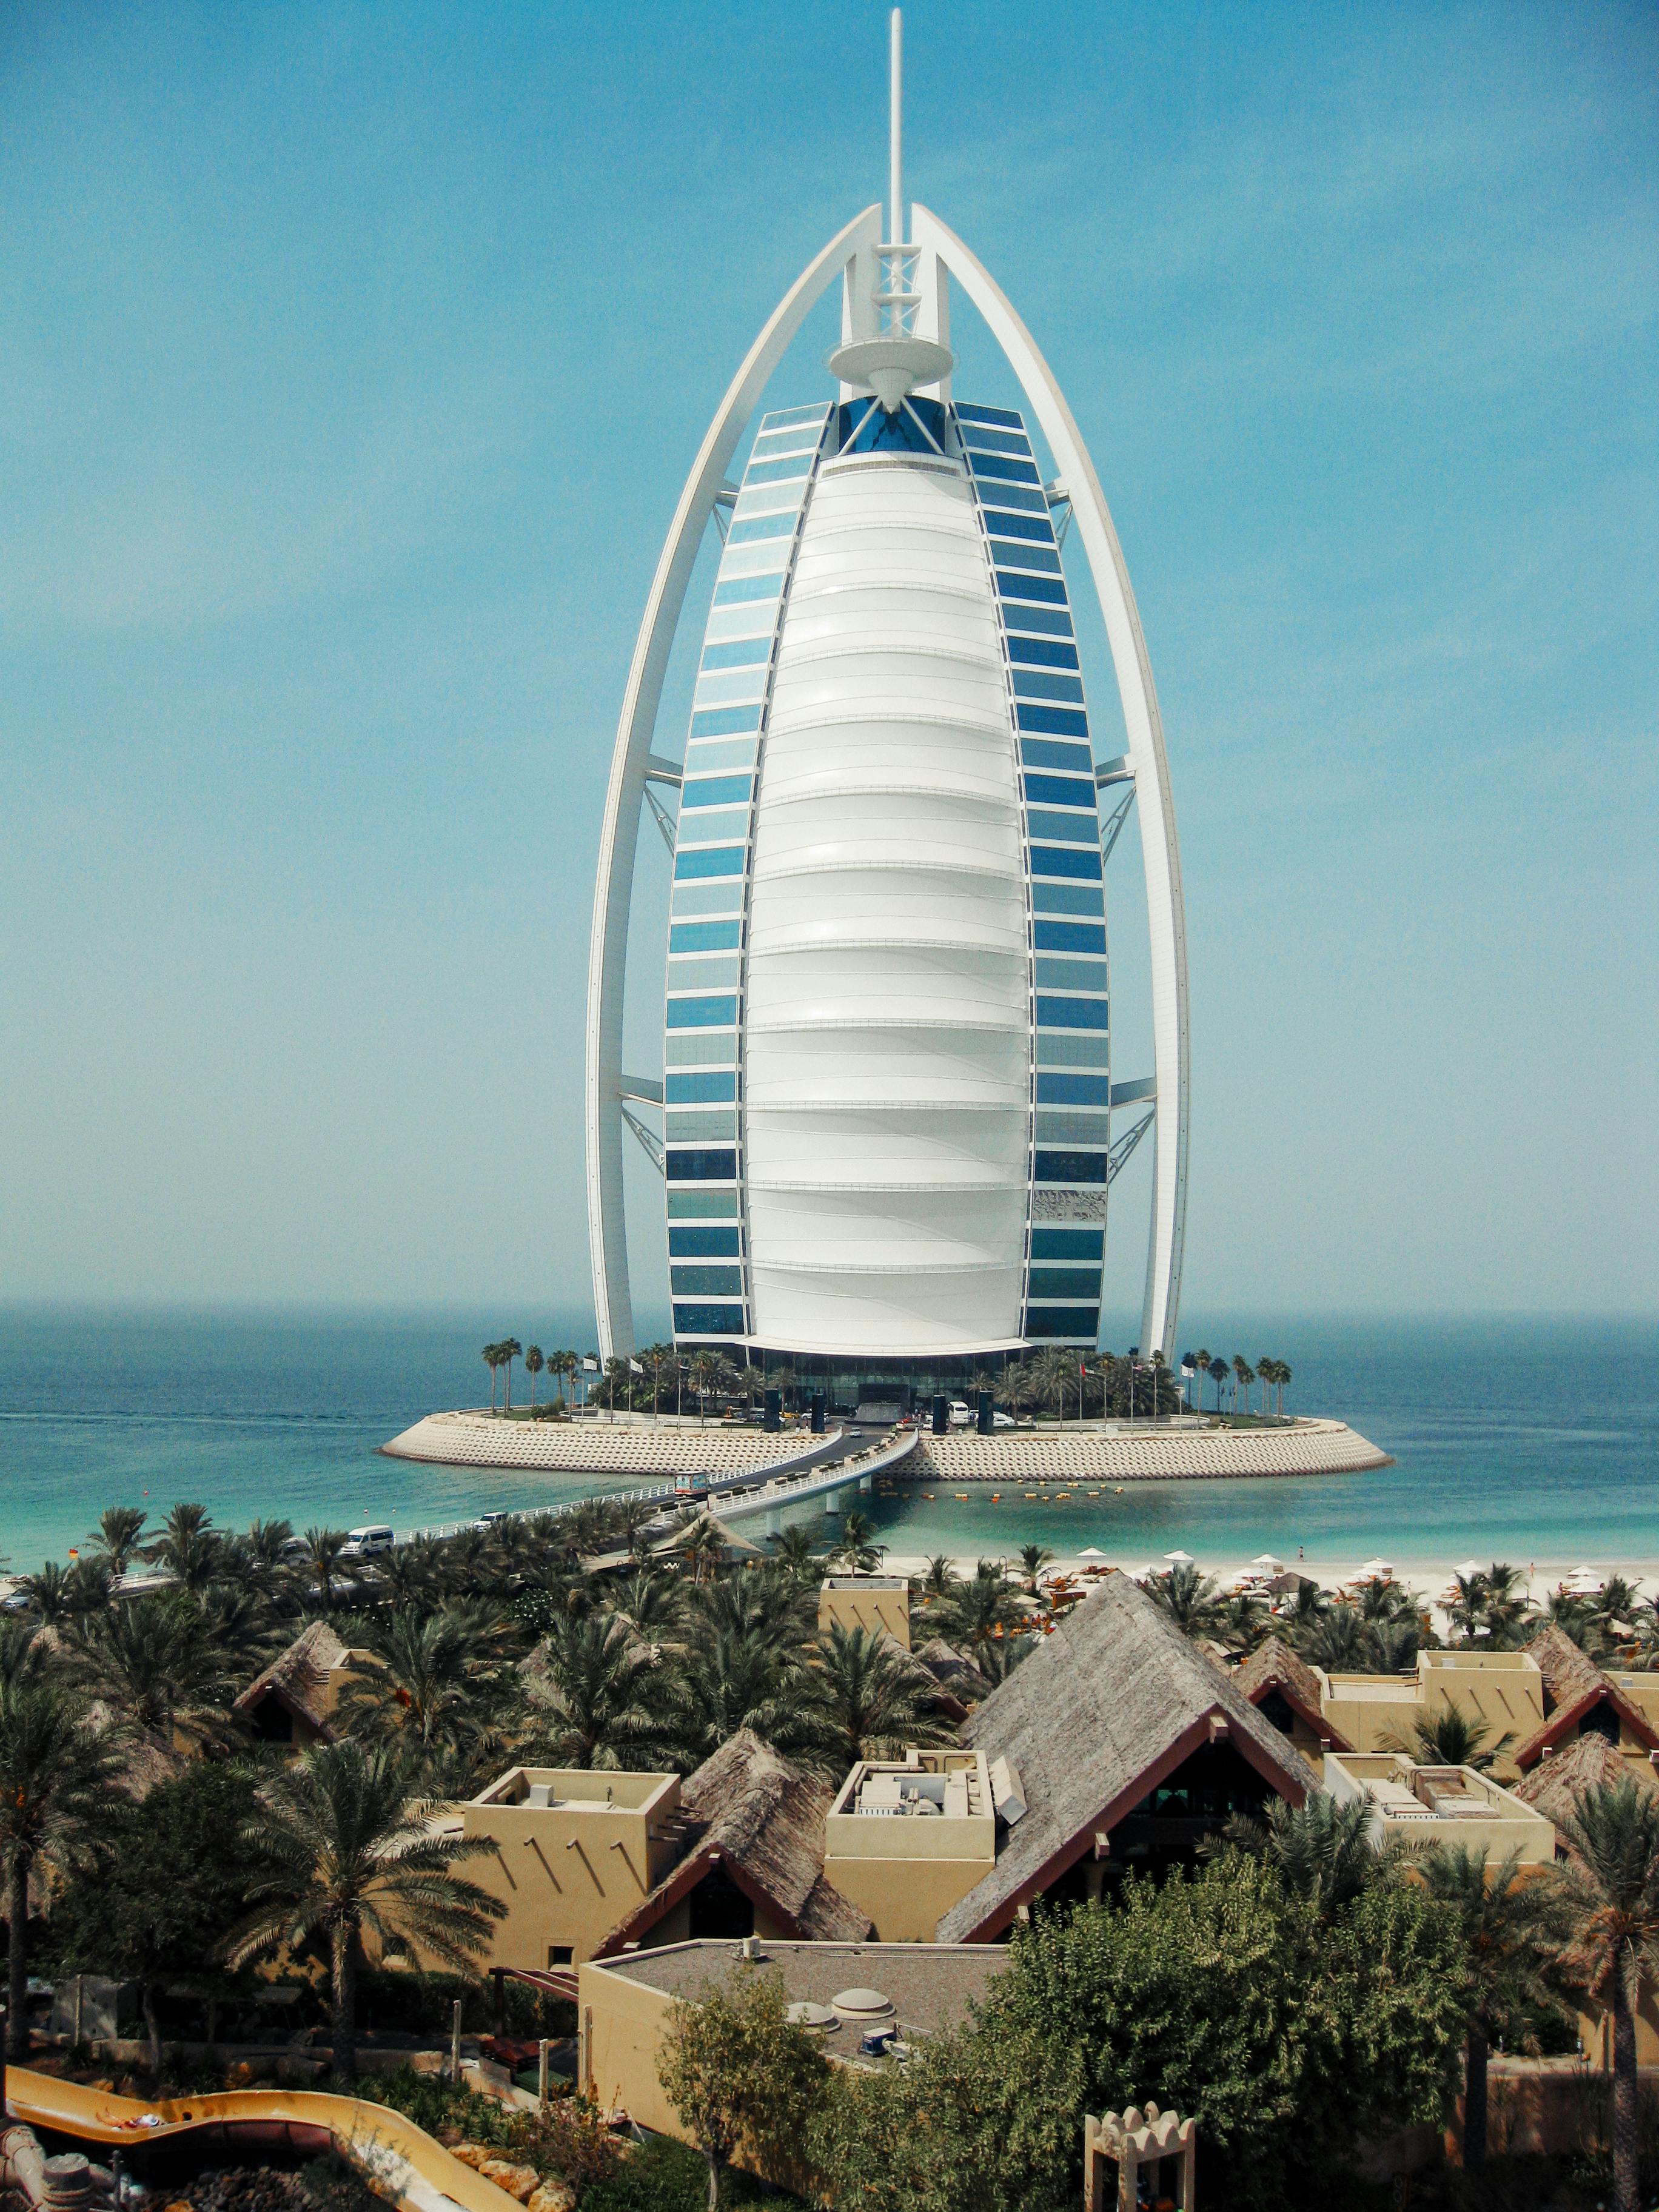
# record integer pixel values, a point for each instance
(401, 2160)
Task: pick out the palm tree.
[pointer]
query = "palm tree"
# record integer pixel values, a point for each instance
(1324, 1849)
(1610, 1892)
(1218, 1373)
(509, 1348)
(156, 1664)
(55, 1780)
(188, 1547)
(651, 1603)
(431, 1680)
(1034, 1557)
(982, 1611)
(1494, 1602)
(705, 1371)
(48, 1595)
(1191, 1598)
(1281, 1381)
(1508, 1920)
(796, 1552)
(1201, 1366)
(726, 1682)
(618, 1381)
(941, 1579)
(119, 1527)
(870, 1698)
(350, 1855)
(858, 1545)
(1338, 1642)
(323, 1550)
(1450, 1738)
(1242, 1621)
(533, 1363)
(491, 1357)
(603, 1701)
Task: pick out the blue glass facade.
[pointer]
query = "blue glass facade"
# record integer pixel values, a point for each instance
(1069, 1136)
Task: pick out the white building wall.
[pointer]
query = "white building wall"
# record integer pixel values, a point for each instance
(887, 1043)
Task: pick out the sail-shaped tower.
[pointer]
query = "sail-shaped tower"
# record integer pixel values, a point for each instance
(890, 1116)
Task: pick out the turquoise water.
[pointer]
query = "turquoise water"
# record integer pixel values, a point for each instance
(1526, 1439)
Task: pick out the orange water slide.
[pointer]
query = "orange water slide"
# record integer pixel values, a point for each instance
(402, 2160)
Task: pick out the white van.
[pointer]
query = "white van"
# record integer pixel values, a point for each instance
(364, 1543)
(960, 1415)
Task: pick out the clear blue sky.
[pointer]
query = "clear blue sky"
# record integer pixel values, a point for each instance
(350, 361)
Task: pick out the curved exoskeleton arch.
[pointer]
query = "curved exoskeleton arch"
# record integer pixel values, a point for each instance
(1161, 854)
(853, 250)
(607, 962)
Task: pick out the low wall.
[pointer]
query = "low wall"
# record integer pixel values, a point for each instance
(1085, 1454)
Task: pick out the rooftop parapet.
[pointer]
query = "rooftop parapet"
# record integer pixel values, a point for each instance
(1450, 1805)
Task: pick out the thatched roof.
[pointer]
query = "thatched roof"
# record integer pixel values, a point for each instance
(961, 1684)
(297, 1678)
(1573, 1686)
(761, 1818)
(1116, 1699)
(1590, 1763)
(1274, 1666)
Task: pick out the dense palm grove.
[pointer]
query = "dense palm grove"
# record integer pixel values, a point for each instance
(662, 1379)
(1381, 1626)
(1298, 1989)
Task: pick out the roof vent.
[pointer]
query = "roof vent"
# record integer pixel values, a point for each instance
(1007, 1791)
(804, 2013)
(863, 2005)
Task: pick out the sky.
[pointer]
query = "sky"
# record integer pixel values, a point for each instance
(351, 361)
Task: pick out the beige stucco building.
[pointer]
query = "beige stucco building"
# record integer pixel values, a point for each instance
(873, 1602)
(905, 1839)
(572, 1851)
(1445, 1805)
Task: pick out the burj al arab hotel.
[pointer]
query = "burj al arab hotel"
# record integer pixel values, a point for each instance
(891, 1109)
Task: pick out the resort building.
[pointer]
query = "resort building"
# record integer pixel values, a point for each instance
(1129, 1747)
(1451, 1805)
(891, 1111)
(1287, 1693)
(855, 1998)
(1551, 1789)
(294, 1700)
(1580, 1699)
(877, 1603)
(750, 1860)
(1542, 1699)
(572, 1850)
(906, 1839)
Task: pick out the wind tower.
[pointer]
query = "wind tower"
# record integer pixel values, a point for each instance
(890, 1116)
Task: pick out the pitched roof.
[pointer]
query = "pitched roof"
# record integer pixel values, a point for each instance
(1573, 1686)
(960, 1682)
(1274, 1666)
(1590, 1763)
(297, 1676)
(1101, 1711)
(761, 1818)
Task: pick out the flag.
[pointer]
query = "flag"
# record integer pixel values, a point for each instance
(636, 1367)
(591, 1366)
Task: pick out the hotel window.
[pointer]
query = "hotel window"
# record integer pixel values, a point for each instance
(1063, 1321)
(1052, 721)
(996, 442)
(720, 791)
(1011, 586)
(706, 1282)
(743, 652)
(1037, 527)
(967, 412)
(1072, 1090)
(702, 1013)
(1069, 937)
(709, 860)
(713, 1089)
(1064, 828)
(1060, 790)
(1042, 652)
(1064, 1283)
(1067, 1243)
(1069, 1167)
(705, 1244)
(707, 1321)
(1054, 621)
(738, 589)
(700, 1048)
(707, 937)
(1071, 1013)
(995, 464)
(1065, 860)
(702, 1167)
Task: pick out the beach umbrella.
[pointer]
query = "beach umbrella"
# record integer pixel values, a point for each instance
(1181, 1558)
(1091, 1551)
(1469, 1567)
(1266, 1559)
(1380, 1567)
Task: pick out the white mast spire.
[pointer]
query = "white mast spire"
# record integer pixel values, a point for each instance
(896, 135)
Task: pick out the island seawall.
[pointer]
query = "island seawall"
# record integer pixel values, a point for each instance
(1114, 1452)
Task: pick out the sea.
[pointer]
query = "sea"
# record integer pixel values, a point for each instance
(1533, 1440)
